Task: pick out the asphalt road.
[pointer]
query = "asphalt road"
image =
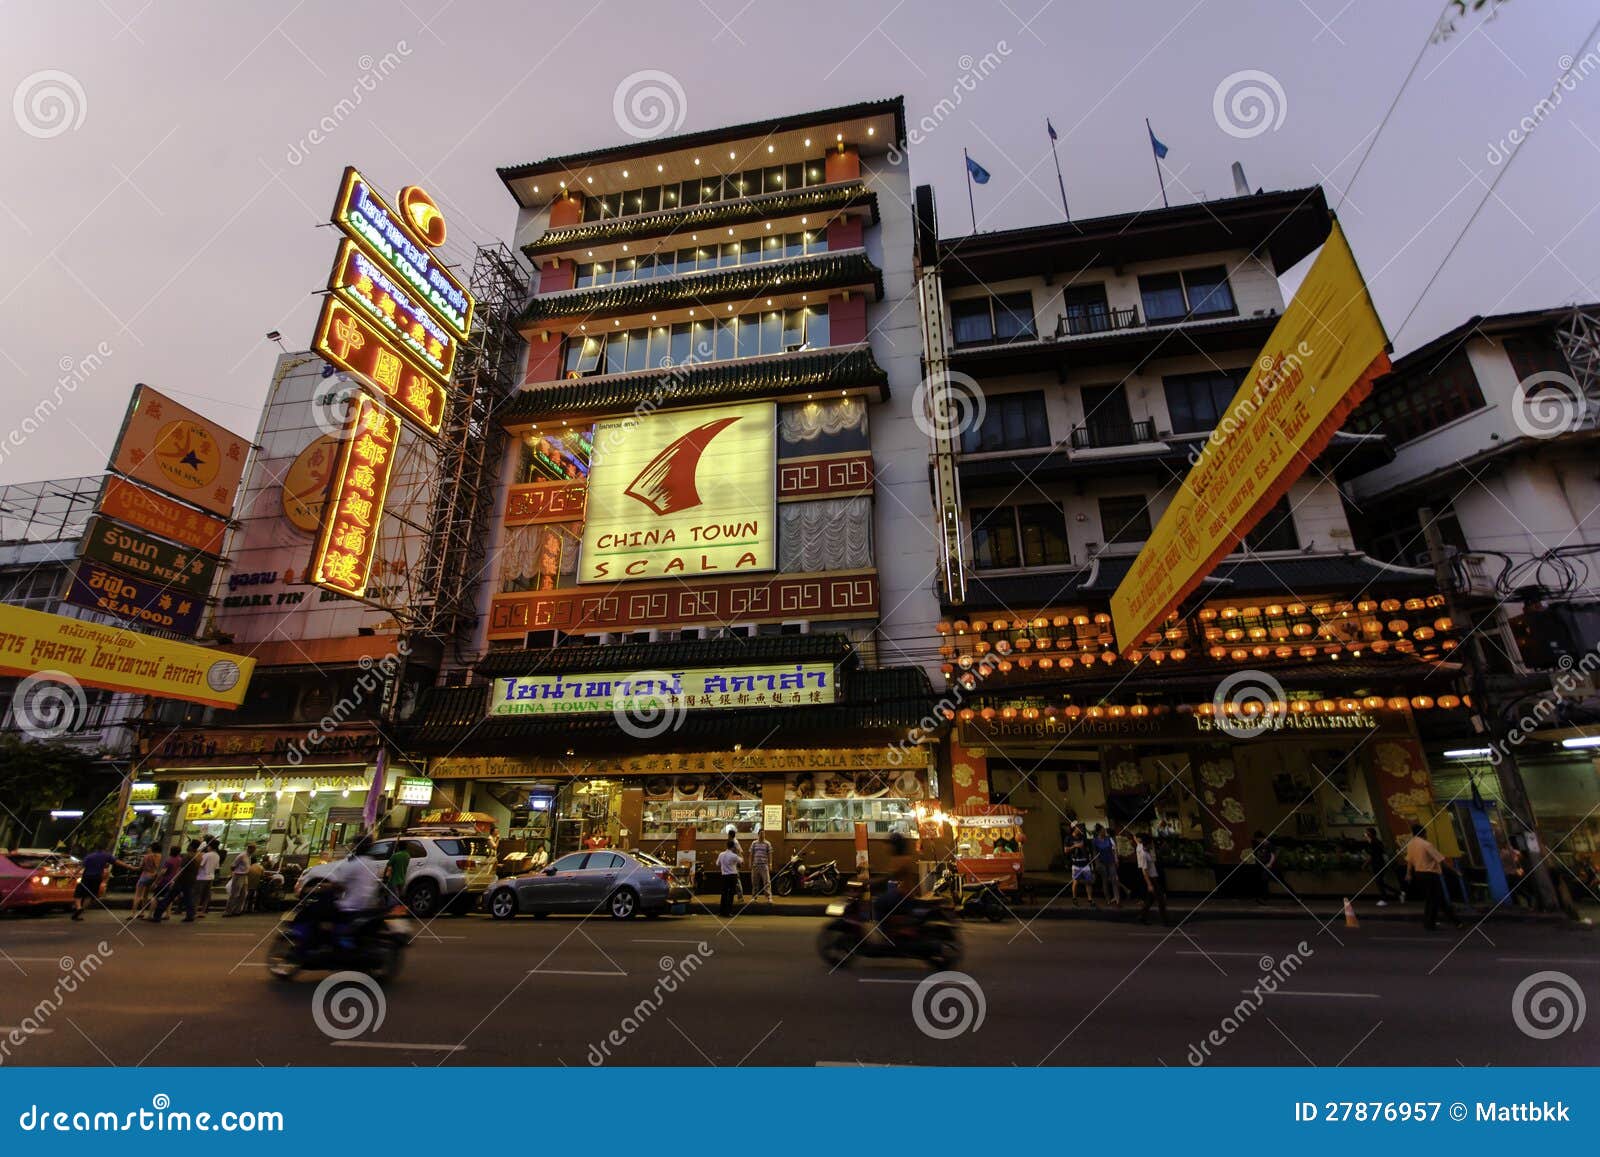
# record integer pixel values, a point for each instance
(754, 992)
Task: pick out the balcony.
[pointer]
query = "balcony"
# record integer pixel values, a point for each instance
(847, 269)
(826, 199)
(1080, 322)
(1101, 435)
(1115, 343)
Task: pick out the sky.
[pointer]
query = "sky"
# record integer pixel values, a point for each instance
(161, 194)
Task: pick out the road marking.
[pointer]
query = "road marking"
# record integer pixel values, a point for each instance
(31, 959)
(887, 980)
(394, 1044)
(650, 940)
(1340, 995)
(252, 935)
(572, 972)
(1499, 959)
(1214, 952)
(26, 1031)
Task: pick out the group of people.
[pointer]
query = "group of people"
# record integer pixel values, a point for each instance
(1095, 867)
(731, 860)
(183, 878)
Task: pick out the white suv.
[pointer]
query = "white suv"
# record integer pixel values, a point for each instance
(447, 873)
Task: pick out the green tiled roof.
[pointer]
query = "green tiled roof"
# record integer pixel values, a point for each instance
(818, 199)
(820, 271)
(676, 387)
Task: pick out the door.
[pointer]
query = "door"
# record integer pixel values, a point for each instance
(594, 883)
(553, 889)
(1106, 417)
(1086, 309)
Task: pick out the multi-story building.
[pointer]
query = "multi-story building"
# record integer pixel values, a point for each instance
(1495, 426)
(716, 501)
(1097, 356)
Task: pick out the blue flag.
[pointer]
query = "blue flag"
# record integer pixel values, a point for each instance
(979, 173)
(1156, 146)
(1051, 128)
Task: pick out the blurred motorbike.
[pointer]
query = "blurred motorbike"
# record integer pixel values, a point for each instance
(316, 936)
(918, 929)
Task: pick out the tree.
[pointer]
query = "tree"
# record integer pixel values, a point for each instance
(45, 774)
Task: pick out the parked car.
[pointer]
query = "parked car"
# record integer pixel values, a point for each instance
(447, 873)
(620, 883)
(36, 880)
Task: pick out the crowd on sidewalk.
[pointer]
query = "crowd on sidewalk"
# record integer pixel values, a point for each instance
(185, 878)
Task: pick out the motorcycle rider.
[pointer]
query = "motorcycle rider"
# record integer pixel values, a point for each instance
(900, 890)
(360, 882)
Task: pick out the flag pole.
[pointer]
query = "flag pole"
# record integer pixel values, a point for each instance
(1067, 213)
(966, 163)
(1154, 156)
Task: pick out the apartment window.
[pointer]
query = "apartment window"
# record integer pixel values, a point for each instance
(1407, 408)
(35, 588)
(1189, 293)
(1011, 422)
(1030, 534)
(630, 350)
(986, 320)
(1275, 531)
(703, 190)
(1197, 402)
(1536, 354)
(775, 247)
(1086, 309)
(1125, 519)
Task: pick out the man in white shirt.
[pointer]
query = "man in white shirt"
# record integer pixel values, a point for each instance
(360, 879)
(728, 864)
(210, 861)
(1154, 892)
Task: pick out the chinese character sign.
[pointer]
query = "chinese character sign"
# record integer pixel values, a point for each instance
(370, 289)
(348, 541)
(360, 348)
(174, 449)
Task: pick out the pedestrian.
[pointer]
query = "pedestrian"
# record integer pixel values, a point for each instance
(1511, 866)
(206, 875)
(1155, 891)
(92, 880)
(1268, 873)
(1105, 861)
(174, 886)
(728, 864)
(1078, 863)
(761, 868)
(1424, 864)
(1378, 865)
(252, 881)
(239, 881)
(395, 872)
(144, 890)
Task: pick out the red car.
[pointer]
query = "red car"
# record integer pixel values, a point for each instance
(36, 879)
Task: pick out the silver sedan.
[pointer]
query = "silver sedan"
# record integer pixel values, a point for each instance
(620, 883)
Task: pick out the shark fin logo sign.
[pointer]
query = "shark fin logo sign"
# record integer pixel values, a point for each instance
(667, 482)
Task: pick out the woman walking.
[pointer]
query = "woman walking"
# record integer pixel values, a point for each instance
(1078, 860)
(1105, 860)
(144, 891)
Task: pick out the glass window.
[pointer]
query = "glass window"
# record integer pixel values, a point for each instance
(816, 241)
(669, 196)
(583, 355)
(690, 193)
(814, 173)
(570, 863)
(660, 347)
(1044, 534)
(817, 332)
(749, 250)
(680, 343)
(794, 244)
(381, 850)
(994, 537)
(794, 328)
(602, 273)
(971, 321)
(729, 254)
(772, 180)
(1125, 519)
(1010, 422)
(638, 349)
(1209, 292)
(727, 338)
(650, 199)
(1276, 530)
(611, 205)
(772, 333)
(414, 848)
(704, 341)
(1407, 408)
(1197, 402)
(603, 862)
(1162, 295)
(1013, 317)
(794, 176)
(616, 353)
(749, 330)
(585, 276)
(772, 247)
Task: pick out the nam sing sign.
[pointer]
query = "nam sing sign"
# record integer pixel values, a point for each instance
(647, 691)
(691, 492)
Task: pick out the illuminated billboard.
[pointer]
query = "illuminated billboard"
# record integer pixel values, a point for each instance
(722, 688)
(366, 285)
(358, 347)
(348, 540)
(157, 513)
(136, 602)
(174, 449)
(687, 493)
(135, 553)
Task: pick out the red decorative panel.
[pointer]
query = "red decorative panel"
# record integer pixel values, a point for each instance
(825, 477)
(544, 502)
(630, 606)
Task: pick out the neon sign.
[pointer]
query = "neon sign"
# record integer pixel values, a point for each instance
(348, 542)
(367, 219)
(357, 346)
(363, 283)
(422, 215)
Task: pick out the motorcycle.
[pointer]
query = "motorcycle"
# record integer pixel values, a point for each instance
(980, 900)
(313, 936)
(920, 930)
(796, 877)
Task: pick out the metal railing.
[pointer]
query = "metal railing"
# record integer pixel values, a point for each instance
(1097, 435)
(1097, 320)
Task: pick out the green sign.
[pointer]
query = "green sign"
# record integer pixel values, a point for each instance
(135, 553)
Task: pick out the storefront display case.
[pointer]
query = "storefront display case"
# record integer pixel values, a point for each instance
(838, 817)
(709, 818)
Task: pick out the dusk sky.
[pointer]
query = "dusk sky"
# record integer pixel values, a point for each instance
(160, 197)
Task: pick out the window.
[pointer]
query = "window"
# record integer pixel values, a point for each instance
(1409, 407)
(569, 863)
(1275, 531)
(1033, 534)
(1106, 419)
(656, 347)
(380, 850)
(1125, 519)
(603, 861)
(1197, 402)
(1011, 422)
(1191, 293)
(1536, 354)
(1086, 309)
(984, 320)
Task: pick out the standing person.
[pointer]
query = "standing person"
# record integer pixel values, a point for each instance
(1378, 865)
(728, 863)
(205, 876)
(239, 880)
(761, 868)
(96, 867)
(177, 884)
(1266, 854)
(394, 873)
(1105, 860)
(144, 891)
(1078, 857)
(1150, 871)
(252, 880)
(1511, 865)
(1424, 863)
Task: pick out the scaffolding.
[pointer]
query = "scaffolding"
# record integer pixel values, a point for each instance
(1579, 336)
(54, 511)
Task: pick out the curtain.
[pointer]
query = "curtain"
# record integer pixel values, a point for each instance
(828, 534)
(808, 422)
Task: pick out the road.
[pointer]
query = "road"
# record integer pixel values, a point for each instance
(567, 991)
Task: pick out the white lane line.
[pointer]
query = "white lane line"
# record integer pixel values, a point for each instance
(887, 980)
(26, 1031)
(251, 935)
(1498, 959)
(573, 972)
(1214, 952)
(30, 959)
(651, 940)
(1339, 995)
(402, 1046)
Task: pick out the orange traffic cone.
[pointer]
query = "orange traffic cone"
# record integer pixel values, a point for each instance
(1350, 920)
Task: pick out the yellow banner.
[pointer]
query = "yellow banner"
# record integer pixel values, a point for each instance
(672, 763)
(119, 660)
(1317, 366)
(214, 808)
